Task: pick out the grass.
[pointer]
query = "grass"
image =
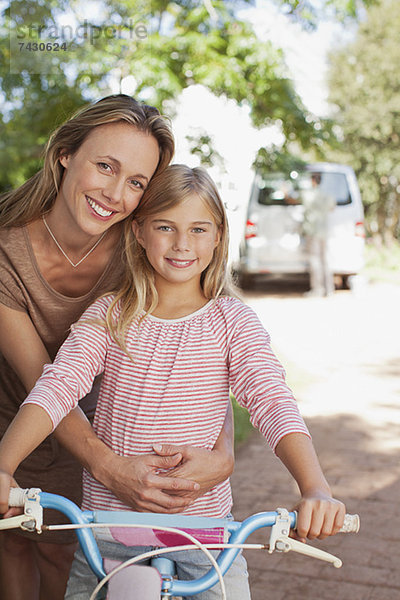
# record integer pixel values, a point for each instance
(382, 263)
(243, 427)
(297, 379)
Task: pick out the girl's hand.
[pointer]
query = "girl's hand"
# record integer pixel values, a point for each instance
(319, 516)
(206, 467)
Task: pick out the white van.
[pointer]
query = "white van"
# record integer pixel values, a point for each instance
(273, 243)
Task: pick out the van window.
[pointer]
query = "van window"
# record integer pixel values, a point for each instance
(335, 184)
(279, 190)
(274, 191)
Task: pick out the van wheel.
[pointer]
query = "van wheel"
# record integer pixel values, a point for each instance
(245, 280)
(345, 282)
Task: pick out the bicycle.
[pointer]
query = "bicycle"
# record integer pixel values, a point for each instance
(158, 581)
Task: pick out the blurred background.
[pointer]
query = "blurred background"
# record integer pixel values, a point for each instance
(266, 83)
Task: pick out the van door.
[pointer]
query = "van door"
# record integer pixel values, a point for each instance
(277, 214)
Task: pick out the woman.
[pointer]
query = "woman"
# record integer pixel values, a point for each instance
(60, 248)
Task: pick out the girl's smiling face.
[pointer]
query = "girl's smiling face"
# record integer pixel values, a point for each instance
(179, 242)
(105, 179)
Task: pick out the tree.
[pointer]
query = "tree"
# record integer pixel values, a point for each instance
(164, 46)
(309, 12)
(365, 89)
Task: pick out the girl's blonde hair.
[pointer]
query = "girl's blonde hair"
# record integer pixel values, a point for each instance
(37, 195)
(137, 292)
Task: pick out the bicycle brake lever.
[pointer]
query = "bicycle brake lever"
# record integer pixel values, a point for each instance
(32, 519)
(33, 509)
(22, 521)
(280, 541)
(285, 544)
(280, 530)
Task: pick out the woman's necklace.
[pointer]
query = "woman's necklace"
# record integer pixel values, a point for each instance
(61, 250)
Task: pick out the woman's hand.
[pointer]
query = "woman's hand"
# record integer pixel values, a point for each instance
(189, 473)
(136, 481)
(319, 516)
(206, 467)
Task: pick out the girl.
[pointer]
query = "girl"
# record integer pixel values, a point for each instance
(60, 248)
(170, 344)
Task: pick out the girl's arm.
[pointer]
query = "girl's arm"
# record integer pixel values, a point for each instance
(258, 383)
(134, 481)
(320, 515)
(28, 429)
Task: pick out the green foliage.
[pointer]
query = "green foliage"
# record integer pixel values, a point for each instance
(382, 262)
(364, 87)
(37, 106)
(202, 146)
(165, 46)
(309, 12)
(243, 427)
(274, 160)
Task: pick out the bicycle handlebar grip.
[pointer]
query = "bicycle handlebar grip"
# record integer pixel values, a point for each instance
(17, 497)
(351, 524)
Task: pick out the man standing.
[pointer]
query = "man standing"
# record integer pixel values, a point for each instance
(317, 206)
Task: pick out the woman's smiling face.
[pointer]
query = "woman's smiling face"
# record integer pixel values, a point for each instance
(106, 177)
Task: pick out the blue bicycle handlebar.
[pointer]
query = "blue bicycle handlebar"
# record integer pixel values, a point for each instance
(85, 537)
(239, 532)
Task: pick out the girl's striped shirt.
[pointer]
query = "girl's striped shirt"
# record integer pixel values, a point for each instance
(176, 388)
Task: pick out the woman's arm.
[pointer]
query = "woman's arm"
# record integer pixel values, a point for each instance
(21, 346)
(320, 515)
(191, 472)
(134, 481)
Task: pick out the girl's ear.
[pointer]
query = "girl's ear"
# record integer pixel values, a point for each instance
(218, 236)
(137, 232)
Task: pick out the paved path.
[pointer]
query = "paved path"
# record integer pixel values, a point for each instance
(342, 355)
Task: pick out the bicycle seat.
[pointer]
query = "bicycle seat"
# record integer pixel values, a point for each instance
(135, 581)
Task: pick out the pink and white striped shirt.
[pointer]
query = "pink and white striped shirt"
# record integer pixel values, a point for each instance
(175, 391)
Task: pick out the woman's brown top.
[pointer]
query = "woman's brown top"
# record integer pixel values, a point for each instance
(23, 288)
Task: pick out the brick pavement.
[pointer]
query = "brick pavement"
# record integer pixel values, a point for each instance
(353, 413)
(365, 479)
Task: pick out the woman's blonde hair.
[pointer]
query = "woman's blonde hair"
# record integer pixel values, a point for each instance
(37, 195)
(137, 292)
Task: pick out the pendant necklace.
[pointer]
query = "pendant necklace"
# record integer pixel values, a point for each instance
(62, 251)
